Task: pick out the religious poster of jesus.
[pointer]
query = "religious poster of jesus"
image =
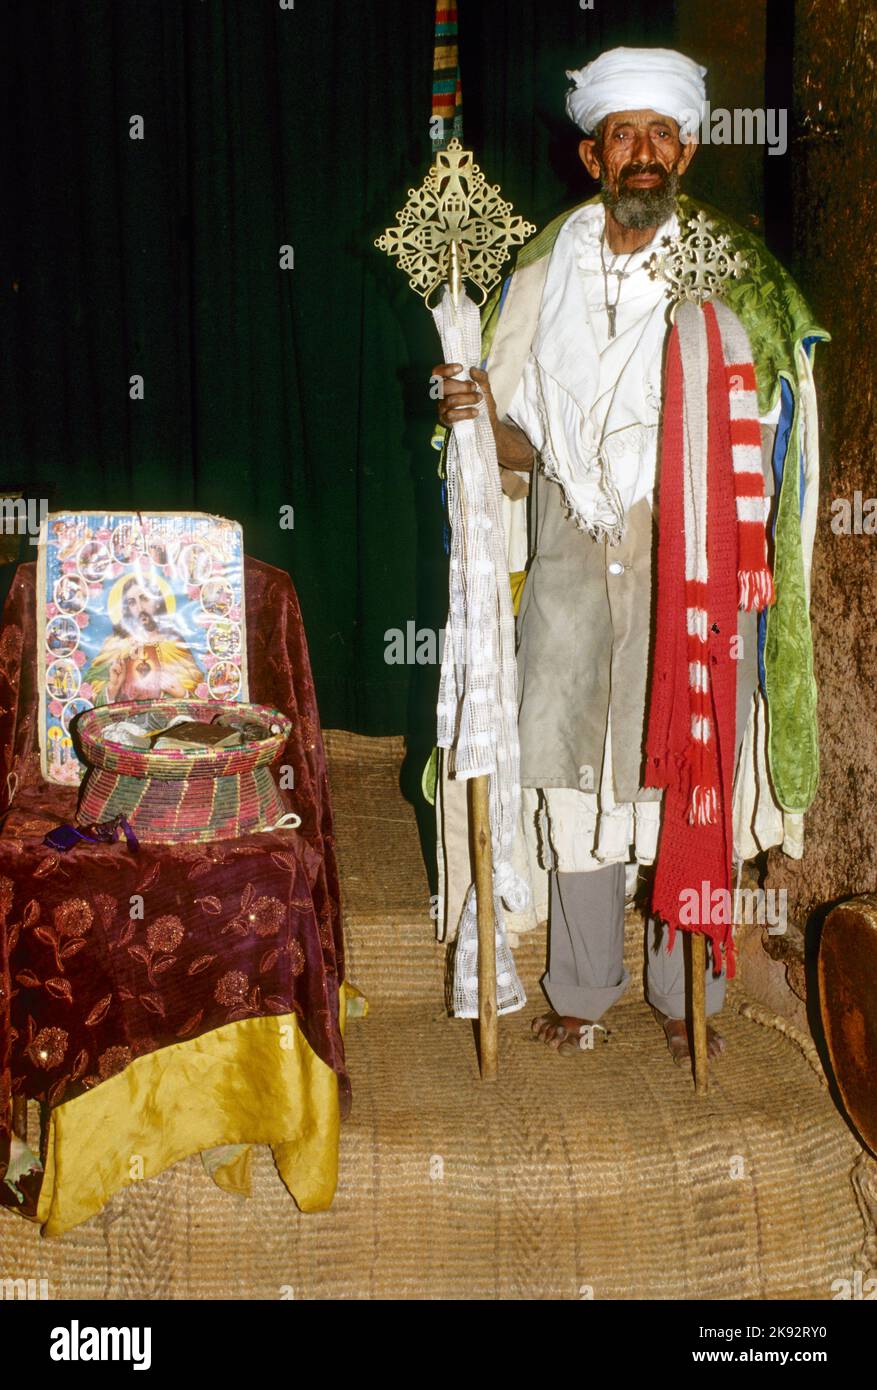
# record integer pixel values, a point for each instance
(134, 606)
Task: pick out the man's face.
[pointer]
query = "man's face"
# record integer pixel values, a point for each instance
(140, 608)
(638, 157)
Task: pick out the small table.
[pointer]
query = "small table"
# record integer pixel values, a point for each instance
(183, 998)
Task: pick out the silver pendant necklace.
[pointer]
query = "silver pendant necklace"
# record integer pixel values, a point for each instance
(612, 309)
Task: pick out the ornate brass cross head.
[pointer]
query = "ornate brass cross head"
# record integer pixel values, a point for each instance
(697, 263)
(454, 227)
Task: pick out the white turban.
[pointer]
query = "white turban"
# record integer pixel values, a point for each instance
(638, 79)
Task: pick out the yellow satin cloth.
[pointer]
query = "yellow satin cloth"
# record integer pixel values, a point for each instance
(516, 580)
(257, 1081)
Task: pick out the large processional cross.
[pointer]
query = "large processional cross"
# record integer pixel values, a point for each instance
(456, 228)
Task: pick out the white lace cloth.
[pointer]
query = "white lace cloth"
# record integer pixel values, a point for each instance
(477, 705)
(588, 403)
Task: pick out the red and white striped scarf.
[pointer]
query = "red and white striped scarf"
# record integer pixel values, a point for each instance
(712, 561)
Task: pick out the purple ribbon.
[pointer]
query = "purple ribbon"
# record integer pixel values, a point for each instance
(64, 837)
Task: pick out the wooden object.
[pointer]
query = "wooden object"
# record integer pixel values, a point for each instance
(848, 1004)
(697, 962)
(479, 820)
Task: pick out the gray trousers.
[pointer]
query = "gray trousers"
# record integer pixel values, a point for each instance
(586, 973)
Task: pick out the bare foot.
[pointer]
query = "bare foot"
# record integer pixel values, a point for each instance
(561, 1032)
(676, 1033)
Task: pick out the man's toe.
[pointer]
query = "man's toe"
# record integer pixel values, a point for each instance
(717, 1045)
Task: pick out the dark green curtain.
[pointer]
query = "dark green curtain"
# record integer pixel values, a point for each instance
(264, 387)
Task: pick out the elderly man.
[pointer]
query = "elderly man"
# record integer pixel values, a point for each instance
(573, 388)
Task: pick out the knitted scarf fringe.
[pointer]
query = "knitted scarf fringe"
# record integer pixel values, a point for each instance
(755, 589)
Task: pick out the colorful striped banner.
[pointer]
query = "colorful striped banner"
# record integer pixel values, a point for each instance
(447, 93)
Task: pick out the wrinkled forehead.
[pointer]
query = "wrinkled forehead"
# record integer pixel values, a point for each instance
(641, 119)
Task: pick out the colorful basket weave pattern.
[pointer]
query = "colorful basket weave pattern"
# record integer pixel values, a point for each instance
(172, 796)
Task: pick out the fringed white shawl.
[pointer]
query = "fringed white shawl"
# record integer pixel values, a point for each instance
(478, 705)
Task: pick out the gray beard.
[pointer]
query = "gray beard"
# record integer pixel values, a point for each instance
(641, 208)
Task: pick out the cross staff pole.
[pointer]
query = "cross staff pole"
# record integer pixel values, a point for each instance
(478, 809)
(488, 1024)
(453, 227)
(478, 805)
(698, 1014)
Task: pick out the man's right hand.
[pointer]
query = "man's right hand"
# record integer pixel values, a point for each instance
(115, 679)
(459, 399)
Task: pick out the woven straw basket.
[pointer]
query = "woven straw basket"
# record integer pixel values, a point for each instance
(171, 796)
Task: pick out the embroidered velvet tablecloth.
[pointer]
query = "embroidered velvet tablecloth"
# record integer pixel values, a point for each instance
(231, 932)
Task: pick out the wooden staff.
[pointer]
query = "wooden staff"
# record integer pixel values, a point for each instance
(479, 822)
(482, 850)
(456, 227)
(698, 1014)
